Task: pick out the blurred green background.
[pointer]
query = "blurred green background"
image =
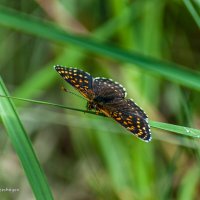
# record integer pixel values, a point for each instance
(91, 157)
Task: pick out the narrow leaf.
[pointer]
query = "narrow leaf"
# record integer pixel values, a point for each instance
(23, 147)
(160, 125)
(35, 26)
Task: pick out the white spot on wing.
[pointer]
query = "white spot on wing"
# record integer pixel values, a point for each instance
(96, 78)
(87, 73)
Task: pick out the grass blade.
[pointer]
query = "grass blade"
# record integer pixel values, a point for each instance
(28, 24)
(195, 133)
(23, 147)
(192, 11)
(176, 129)
(189, 184)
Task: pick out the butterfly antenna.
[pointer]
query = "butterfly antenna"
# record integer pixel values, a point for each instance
(66, 90)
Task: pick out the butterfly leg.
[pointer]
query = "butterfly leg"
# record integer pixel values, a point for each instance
(97, 112)
(91, 105)
(64, 89)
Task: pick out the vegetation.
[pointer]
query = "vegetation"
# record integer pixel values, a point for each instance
(54, 148)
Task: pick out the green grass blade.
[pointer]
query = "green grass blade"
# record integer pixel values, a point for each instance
(189, 184)
(192, 11)
(48, 103)
(195, 133)
(23, 147)
(28, 24)
(176, 129)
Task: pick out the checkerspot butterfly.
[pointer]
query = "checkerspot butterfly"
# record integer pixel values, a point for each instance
(108, 97)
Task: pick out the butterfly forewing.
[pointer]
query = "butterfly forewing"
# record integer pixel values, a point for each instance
(79, 79)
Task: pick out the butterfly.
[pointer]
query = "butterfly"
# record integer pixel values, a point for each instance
(108, 97)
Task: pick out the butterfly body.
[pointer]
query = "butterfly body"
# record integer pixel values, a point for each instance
(109, 97)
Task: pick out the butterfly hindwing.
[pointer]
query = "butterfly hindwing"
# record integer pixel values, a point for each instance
(134, 108)
(130, 116)
(133, 123)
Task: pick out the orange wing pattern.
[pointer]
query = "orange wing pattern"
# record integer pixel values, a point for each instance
(109, 97)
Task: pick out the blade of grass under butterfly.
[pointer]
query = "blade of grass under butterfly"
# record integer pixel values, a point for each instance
(23, 147)
(48, 103)
(176, 129)
(195, 133)
(29, 24)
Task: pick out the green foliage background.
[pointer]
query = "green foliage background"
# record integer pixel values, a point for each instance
(150, 47)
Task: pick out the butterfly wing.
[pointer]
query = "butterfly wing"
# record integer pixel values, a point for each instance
(107, 88)
(130, 116)
(131, 106)
(110, 99)
(79, 79)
